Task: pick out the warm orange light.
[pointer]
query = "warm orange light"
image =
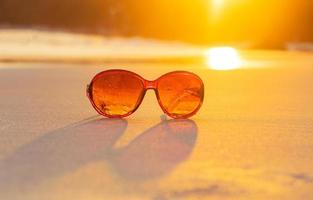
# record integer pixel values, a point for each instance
(223, 58)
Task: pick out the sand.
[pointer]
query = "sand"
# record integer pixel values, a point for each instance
(252, 139)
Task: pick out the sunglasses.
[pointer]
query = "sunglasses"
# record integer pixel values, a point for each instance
(118, 93)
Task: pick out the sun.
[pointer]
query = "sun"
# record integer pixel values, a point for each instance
(217, 4)
(223, 58)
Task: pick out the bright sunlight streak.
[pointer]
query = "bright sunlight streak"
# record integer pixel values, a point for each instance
(223, 58)
(217, 5)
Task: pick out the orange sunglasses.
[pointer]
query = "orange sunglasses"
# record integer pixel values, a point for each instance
(118, 93)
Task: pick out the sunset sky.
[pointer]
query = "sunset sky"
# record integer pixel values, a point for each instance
(262, 23)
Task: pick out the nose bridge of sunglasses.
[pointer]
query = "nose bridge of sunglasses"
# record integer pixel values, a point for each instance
(150, 84)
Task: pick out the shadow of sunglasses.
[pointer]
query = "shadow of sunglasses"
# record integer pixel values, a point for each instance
(153, 153)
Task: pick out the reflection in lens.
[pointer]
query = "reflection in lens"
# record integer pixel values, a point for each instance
(117, 93)
(180, 93)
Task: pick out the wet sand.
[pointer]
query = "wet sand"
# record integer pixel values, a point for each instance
(252, 139)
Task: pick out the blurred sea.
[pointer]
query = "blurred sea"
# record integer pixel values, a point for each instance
(29, 45)
(41, 45)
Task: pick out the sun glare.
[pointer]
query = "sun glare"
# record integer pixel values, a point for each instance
(223, 58)
(217, 4)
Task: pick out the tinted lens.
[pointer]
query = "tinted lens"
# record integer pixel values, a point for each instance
(180, 93)
(116, 93)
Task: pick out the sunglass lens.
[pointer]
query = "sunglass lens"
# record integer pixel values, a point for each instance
(180, 94)
(116, 93)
